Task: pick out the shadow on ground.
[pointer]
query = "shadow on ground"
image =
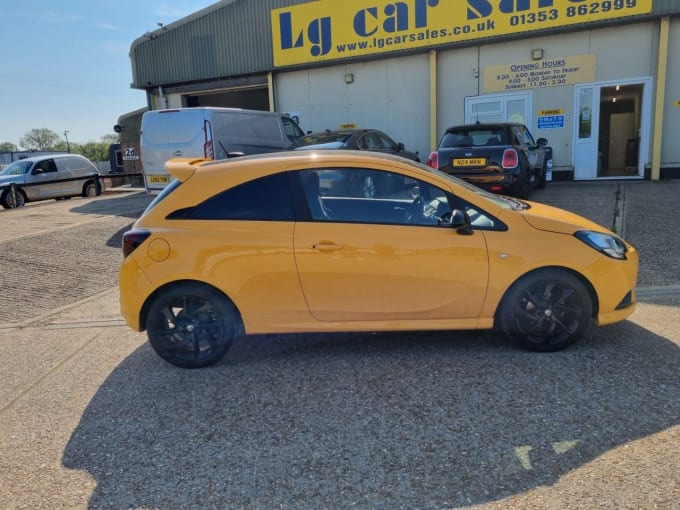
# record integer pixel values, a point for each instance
(130, 205)
(419, 420)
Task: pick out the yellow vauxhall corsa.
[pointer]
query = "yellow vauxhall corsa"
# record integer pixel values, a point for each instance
(293, 242)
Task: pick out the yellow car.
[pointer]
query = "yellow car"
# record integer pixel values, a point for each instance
(288, 242)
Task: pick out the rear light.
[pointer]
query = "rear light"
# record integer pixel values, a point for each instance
(510, 158)
(433, 160)
(208, 149)
(132, 239)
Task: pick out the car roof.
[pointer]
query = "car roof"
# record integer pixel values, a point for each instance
(351, 131)
(183, 168)
(33, 159)
(485, 125)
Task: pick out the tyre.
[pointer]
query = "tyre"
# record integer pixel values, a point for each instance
(192, 325)
(13, 199)
(546, 311)
(91, 189)
(543, 177)
(521, 187)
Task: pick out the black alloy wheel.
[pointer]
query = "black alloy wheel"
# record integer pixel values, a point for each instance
(547, 310)
(192, 325)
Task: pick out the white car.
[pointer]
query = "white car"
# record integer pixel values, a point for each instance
(45, 177)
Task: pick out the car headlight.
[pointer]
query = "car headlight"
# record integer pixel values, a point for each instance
(608, 244)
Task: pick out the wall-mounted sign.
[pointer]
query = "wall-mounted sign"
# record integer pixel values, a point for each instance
(556, 111)
(331, 30)
(349, 125)
(130, 154)
(677, 104)
(555, 72)
(550, 122)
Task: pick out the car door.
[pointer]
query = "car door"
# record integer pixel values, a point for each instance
(366, 259)
(43, 180)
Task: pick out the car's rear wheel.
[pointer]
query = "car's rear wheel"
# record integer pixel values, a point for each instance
(543, 177)
(521, 187)
(191, 325)
(547, 310)
(91, 189)
(13, 198)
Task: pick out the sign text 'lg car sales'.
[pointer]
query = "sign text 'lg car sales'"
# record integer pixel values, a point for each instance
(331, 30)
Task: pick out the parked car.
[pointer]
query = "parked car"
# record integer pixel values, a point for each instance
(209, 132)
(359, 139)
(499, 157)
(45, 177)
(251, 246)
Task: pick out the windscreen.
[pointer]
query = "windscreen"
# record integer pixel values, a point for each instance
(17, 168)
(474, 137)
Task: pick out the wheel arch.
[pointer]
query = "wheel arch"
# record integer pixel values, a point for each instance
(143, 313)
(589, 287)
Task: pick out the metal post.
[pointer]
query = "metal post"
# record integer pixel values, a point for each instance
(68, 147)
(13, 193)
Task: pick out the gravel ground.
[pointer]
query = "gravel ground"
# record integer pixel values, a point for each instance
(90, 417)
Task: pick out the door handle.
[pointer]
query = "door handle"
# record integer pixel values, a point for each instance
(326, 246)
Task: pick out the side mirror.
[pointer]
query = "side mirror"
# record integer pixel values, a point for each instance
(400, 146)
(541, 142)
(460, 220)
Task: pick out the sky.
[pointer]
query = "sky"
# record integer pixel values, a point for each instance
(65, 65)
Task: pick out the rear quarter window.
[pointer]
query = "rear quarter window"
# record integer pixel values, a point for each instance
(265, 199)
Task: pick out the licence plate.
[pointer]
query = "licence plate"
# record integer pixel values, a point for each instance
(159, 179)
(469, 162)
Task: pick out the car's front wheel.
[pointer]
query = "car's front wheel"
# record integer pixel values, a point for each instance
(191, 325)
(547, 310)
(12, 198)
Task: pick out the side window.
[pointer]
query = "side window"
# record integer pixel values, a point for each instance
(354, 195)
(264, 199)
(527, 136)
(479, 219)
(45, 166)
(386, 143)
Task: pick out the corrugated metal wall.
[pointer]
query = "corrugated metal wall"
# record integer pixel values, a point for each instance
(232, 38)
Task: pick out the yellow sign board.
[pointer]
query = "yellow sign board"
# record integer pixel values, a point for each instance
(556, 111)
(331, 29)
(555, 72)
(349, 125)
(677, 104)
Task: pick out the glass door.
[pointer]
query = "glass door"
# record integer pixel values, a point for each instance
(586, 129)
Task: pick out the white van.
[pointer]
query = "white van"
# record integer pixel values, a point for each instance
(207, 132)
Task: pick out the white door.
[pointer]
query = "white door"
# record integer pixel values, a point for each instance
(586, 129)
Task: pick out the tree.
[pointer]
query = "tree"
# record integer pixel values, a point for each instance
(7, 147)
(39, 139)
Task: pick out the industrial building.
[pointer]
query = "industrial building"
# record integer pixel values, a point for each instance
(594, 77)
